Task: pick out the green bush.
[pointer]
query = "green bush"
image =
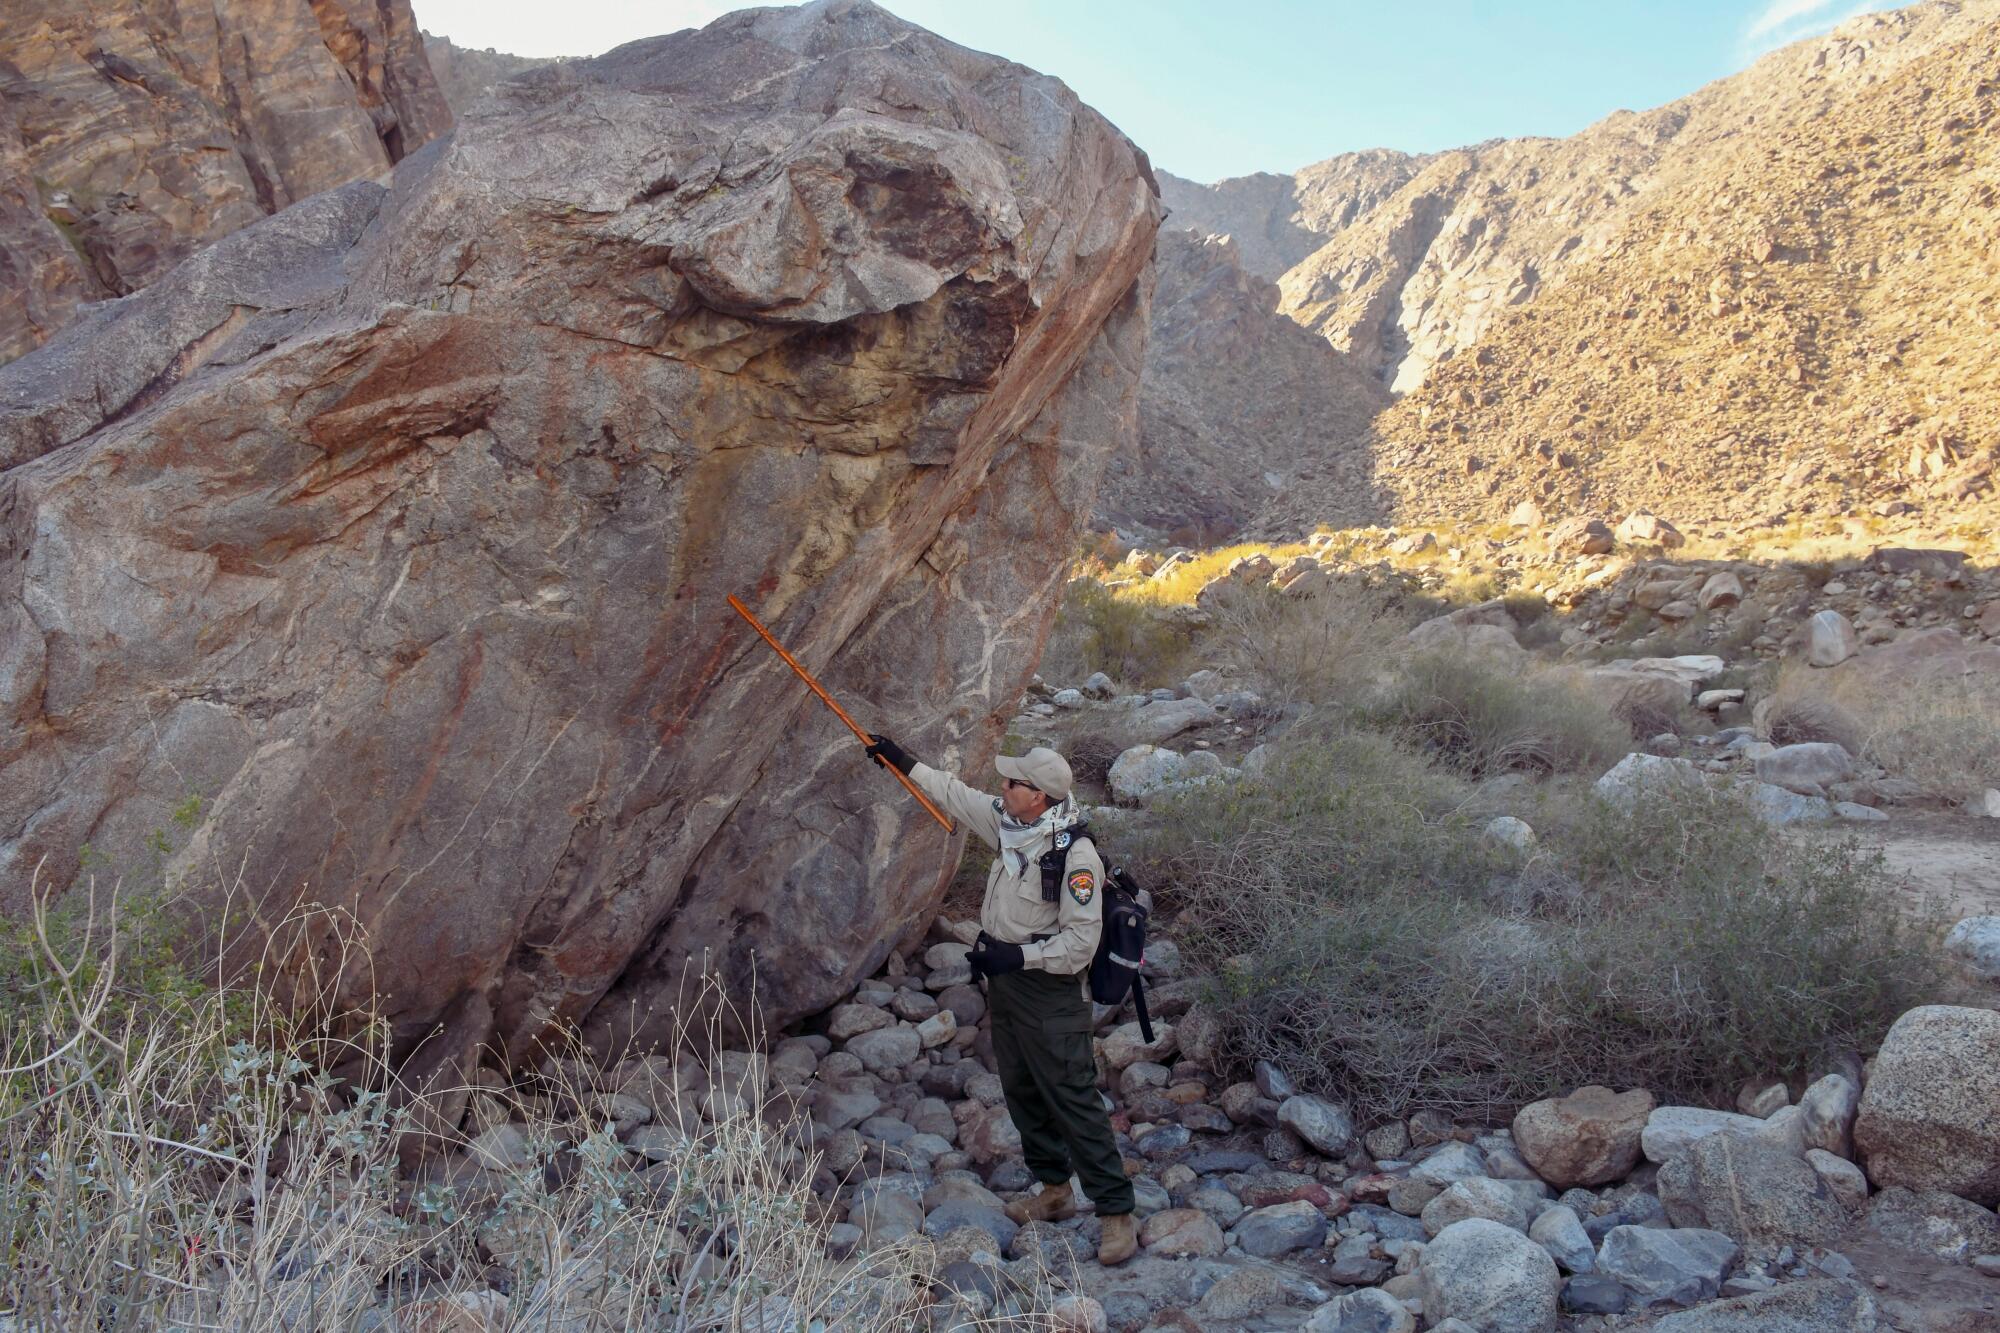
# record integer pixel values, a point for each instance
(1338, 816)
(1128, 640)
(1482, 719)
(1368, 939)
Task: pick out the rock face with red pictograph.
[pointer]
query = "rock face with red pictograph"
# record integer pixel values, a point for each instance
(398, 526)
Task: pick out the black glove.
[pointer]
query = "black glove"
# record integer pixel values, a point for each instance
(994, 958)
(891, 753)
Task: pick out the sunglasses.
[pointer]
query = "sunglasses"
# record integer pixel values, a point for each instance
(1016, 782)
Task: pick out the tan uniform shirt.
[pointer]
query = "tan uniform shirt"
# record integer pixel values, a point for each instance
(1013, 911)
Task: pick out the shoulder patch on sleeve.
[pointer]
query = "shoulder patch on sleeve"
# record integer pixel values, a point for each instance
(1082, 884)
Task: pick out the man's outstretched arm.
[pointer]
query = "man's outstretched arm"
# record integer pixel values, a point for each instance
(967, 805)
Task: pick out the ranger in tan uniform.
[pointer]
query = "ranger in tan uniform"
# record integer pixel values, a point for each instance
(1033, 952)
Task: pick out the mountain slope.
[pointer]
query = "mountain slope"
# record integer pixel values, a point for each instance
(1795, 314)
(1234, 398)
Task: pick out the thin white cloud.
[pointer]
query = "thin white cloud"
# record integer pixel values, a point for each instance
(1782, 13)
(1782, 22)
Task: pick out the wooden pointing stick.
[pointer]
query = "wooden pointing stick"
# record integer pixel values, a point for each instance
(839, 712)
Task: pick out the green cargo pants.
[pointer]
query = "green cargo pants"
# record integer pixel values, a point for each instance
(1041, 1037)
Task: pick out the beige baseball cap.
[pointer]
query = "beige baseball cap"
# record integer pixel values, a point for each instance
(1042, 767)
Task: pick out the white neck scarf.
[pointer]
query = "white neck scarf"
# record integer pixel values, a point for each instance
(1021, 843)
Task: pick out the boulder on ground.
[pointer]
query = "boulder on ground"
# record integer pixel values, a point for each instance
(1826, 1115)
(1179, 1231)
(1456, 636)
(1671, 1130)
(1590, 1137)
(1651, 530)
(1819, 1305)
(1143, 770)
(1369, 1310)
(1974, 946)
(1722, 591)
(1667, 1267)
(438, 487)
(1930, 1115)
(1280, 1229)
(1491, 1276)
(1560, 1231)
(1625, 690)
(1325, 1125)
(1935, 1223)
(1641, 778)
(1762, 1197)
(1163, 719)
(1810, 766)
(1830, 639)
(1580, 536)
(1478, 1197)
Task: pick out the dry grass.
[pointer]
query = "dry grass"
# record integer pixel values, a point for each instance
(1484, 719)
(1178, 586)
(173, 1156)
(1096, 629)
(1938, 730)
(1328, 649)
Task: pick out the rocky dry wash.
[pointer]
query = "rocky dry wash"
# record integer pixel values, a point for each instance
(133, 135)
(397, 527)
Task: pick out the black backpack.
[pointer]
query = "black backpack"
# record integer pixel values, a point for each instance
(1115, 971)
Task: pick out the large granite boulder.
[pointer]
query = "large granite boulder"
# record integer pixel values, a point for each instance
(397, 528)
(1590, 1137)
(1930, 1115)
(1490, 1276)
(131, 135)
(1759, 1195)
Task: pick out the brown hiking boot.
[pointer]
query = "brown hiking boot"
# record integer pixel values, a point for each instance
(1053, 1204)
(1121, 1240)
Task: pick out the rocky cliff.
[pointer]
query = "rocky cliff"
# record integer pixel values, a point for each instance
(467, 73)
(398, 526)
(132, 135)
(1237, 398)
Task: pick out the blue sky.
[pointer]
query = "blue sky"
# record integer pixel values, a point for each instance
(1213, 90)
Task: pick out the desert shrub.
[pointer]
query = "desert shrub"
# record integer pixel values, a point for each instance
(1646, 718)
(1802, 709)
(1180, 584)
(1377, 956)
(1328, 648)
(1481, 717)
(1090, 750)
(1470, 589)
(1336, 812)
(1126, 639)
(188, 1162)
